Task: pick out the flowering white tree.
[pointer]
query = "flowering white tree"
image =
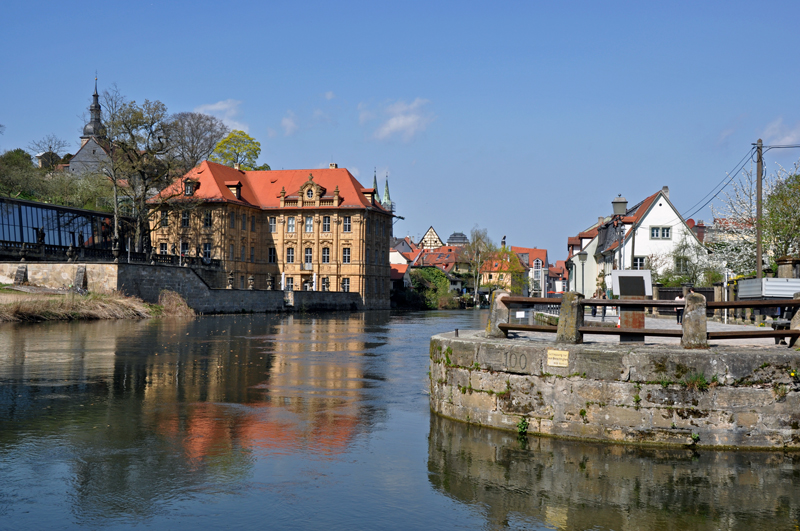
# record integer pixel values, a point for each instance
(734, 231)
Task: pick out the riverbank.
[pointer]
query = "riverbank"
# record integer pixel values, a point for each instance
(17, 306)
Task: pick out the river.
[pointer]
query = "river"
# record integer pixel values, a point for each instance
(318, 422)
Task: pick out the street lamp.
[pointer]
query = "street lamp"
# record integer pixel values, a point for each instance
(582, 257)
(620, 206)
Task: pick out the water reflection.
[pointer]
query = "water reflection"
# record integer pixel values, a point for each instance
(141, 414)
(571, 485)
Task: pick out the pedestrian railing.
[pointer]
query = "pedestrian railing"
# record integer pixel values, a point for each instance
(694, 332)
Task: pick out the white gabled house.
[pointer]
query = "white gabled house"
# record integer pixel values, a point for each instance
(646, 235)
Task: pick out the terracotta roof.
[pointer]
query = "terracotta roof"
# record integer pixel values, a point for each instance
(588, 233)
(573, 240)
(533, 254)
(398, 271)
(262, 189)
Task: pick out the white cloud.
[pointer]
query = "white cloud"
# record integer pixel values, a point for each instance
(405, 120)
(289, 124)
(271, 133)
(779, 133)
(225, 110)
(329, 95)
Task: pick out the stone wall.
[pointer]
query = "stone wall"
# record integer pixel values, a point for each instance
(146, 282)
(637, 394)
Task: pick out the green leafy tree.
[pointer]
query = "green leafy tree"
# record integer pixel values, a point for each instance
(782, 219)
(434, 287)
(238, 148)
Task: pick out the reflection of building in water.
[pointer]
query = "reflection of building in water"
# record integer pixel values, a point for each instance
(297, 385)
(571, 485)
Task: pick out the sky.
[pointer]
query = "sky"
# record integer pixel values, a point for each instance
(524, 118)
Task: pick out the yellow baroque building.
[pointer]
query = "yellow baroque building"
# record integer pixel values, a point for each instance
(281, 229)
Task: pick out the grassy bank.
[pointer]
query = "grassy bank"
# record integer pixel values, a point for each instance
(46, 307)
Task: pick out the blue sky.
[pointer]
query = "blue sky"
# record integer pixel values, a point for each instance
(524, 118)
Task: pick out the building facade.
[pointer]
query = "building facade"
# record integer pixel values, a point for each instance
(293, 230)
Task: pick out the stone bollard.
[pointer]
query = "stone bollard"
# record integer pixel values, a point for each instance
(795, 323)
(695, 324)
(497, 314)
(719, 289)
(570, 318)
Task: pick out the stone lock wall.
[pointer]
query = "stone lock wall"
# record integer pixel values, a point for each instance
(635, 394)
(146, 282)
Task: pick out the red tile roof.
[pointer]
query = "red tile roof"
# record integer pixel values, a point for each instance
(262, 189)
(398, 271)
(533, 254)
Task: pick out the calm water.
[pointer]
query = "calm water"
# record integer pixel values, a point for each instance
(310, 422)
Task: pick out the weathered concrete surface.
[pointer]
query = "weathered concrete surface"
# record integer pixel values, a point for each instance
(497, 315)
(570, 318)
(147, 281)
(634, 393)
(695, 323)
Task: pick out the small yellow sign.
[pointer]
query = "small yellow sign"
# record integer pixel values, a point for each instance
(558, 358)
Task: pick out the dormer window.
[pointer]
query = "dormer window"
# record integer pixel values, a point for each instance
(189, 188)
(310, 193)
(235, 187)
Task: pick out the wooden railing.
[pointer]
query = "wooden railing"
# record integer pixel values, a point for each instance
(510, 303)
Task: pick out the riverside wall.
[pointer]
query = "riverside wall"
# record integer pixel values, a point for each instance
(147, 281)
(627, 394)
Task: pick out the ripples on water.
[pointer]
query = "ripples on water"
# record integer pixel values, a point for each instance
(318, 422)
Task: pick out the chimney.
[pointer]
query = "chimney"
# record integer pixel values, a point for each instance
(600, 220)
(332, 166)
(700, 231)
(237, 166)
(665, 191)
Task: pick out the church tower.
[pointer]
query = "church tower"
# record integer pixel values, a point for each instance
(95, 128)
(375, 185)
(387, 202)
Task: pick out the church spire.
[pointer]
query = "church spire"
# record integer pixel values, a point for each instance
(95, 126)
(386, 190)
(375, 185)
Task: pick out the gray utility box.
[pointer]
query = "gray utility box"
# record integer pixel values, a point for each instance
(768, 288)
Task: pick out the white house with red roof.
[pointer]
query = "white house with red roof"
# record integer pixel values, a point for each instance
(647, 233)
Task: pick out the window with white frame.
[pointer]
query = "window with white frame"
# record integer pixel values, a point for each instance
(272, 223)
(346, 255)
(346, 285)
(289, 283)
(164, 218)
(309, 255)
(346, 224)
(184, 219)
(326, 224)
(207, 250)
(638, 262)
(289, 255)
(207, 219)
(162, 248)
(681, 264)
(309, 224)
(326, 255)
(272, 255)
(290, 224)
(660, 233)
(184, 248)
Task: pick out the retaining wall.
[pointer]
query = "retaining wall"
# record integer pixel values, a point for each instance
(608, 392)
(147, 281)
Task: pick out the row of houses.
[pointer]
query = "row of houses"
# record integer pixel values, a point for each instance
(525, 270)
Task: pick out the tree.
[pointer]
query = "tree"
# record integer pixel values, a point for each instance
(193, 137)
(238, 148)
(689, 262)
(782, 218)
(49, 148)
(140, 163)
(734, 245)
(476, 252)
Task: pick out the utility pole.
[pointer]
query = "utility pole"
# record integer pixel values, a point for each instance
(759, 172)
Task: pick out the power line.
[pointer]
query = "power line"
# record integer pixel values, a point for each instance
(732, 175)
(747, 155)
